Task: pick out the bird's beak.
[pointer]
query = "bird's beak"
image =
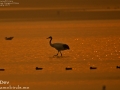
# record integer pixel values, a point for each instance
(47, 38)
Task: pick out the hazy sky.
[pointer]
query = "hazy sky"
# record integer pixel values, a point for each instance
(67, 3)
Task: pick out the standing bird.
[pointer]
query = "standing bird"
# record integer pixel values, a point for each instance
(58, 46)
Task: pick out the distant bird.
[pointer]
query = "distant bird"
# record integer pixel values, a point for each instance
(58, 46)
(9, 38)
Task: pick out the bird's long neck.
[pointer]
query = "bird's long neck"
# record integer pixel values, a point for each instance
(50, 42)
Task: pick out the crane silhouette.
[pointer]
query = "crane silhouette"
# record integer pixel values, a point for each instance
(58, 46)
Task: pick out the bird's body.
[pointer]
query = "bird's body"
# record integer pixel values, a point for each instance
(58, 46)
(9, 38)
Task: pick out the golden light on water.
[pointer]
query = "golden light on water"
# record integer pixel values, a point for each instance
(89, 46)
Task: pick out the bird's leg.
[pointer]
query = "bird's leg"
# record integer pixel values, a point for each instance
(57, 54)
(60, 53)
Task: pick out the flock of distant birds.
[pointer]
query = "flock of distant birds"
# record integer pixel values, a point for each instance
(67, 68)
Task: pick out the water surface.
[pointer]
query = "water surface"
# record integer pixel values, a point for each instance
(92, 43)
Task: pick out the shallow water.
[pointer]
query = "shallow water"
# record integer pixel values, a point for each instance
(92, 43)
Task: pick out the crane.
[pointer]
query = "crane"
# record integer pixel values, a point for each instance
(58, 46)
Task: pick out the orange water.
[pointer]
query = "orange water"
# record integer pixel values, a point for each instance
(92, 43)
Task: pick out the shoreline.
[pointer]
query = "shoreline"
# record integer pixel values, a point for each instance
(57, 15)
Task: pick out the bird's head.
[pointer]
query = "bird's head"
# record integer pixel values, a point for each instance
(49, 37)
